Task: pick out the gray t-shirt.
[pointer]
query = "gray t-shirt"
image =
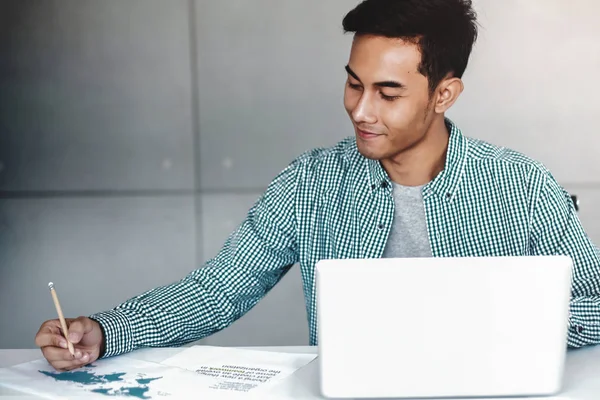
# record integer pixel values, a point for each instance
(408, 235)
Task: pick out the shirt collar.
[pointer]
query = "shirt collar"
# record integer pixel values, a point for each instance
(446, 183)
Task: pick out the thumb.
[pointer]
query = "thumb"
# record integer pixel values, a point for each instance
(79, 327)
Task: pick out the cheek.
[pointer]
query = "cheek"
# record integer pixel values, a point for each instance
(396, 116)
(350, 100)
(403, 114)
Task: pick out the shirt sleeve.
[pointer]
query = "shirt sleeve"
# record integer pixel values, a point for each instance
(252, 260)
(557, 230)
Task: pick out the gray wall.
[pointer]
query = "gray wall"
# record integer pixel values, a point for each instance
(135, 134)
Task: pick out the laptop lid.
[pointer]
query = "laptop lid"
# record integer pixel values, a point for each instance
(442, 327)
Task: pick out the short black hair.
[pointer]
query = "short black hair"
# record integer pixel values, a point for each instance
(444, 30)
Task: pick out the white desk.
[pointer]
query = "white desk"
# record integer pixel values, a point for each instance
(582, 375)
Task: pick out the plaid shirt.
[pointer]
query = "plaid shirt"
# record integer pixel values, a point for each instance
(335, 203)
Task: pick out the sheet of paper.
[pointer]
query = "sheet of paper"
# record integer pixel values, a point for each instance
(238, 372)
(117, 377)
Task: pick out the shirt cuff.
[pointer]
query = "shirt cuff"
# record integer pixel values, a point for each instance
(118, 335)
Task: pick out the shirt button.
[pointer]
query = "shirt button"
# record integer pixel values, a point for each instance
(372, 187)
(579, 329)
(380, 226)
(384, 184)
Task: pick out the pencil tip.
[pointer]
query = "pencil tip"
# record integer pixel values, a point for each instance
(50, 285)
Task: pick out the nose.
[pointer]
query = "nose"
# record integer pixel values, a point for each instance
(364, 112)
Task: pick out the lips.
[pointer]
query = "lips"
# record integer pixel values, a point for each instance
(367, 135)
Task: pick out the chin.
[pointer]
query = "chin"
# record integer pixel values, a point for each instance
(372, 154)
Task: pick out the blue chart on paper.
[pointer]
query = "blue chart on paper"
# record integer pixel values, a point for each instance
(90, 380)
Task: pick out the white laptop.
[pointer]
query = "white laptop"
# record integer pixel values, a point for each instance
(442, 327)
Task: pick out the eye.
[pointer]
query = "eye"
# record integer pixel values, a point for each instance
(388, 98)
(354, 86)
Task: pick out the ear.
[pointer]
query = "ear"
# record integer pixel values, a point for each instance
(447, 92)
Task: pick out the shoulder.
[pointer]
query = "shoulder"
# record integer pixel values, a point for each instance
(328, 162)
(339, 154)
(505, 159)
(518, 168)
(319, 170)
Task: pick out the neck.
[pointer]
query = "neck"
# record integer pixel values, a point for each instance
(421, 163)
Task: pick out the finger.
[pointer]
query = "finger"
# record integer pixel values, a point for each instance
(53, 354)
(70, 365)
(45, 339)
(79, 327)
(59, 325)
(48, 327)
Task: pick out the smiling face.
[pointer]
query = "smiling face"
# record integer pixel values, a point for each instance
(386, 97)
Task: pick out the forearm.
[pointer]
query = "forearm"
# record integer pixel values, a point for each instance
(584, 321)
(167, 316)
(557, 230)
(205, 301)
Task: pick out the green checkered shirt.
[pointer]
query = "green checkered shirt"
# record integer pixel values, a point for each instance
(335, 203)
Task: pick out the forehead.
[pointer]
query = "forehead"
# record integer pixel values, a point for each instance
(375, 58)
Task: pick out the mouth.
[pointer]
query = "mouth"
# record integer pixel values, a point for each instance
(366, 134)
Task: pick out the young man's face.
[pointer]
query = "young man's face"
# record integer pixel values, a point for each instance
(386, 97)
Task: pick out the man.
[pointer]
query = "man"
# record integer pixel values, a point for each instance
(408, 184)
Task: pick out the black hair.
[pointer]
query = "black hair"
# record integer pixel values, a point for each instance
(444, 31)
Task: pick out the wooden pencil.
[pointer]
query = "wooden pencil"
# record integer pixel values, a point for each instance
(61, 317)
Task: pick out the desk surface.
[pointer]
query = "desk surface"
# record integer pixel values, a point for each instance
(582, 374)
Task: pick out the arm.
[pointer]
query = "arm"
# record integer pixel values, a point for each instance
(557, 230)
(252, 260)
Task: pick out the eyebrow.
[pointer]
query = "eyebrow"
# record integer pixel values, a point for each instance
(390, 84)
